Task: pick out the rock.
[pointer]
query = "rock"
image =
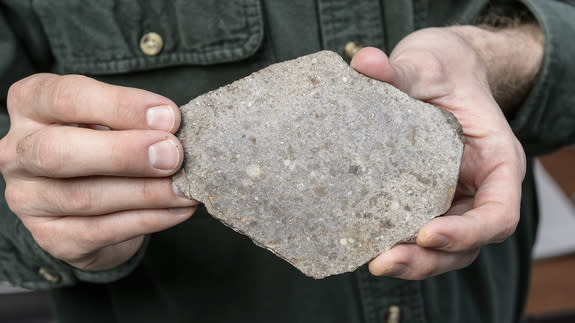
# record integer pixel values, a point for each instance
(319, 164)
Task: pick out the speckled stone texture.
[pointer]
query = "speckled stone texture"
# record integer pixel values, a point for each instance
(319, 164)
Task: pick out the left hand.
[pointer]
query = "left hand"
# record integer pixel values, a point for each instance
(441, 67)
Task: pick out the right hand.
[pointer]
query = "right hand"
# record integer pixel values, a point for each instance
(87, 195)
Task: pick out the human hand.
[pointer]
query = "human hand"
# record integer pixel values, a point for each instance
(440, 66)
(89, 195)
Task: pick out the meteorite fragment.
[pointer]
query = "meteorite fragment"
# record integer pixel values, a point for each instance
(319, 164)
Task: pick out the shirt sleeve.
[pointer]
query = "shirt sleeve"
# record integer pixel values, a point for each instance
(546, 120)
(22, 262)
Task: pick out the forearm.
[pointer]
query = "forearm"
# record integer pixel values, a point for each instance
(512, 57)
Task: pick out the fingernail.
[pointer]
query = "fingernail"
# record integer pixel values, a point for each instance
(178, 191)
(164, 155)
(160, 118)
(182, 210)
(100, 127)
(395, 270)
(436, 241)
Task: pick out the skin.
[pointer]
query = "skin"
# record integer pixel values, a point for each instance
(88, 194)
(460, 69)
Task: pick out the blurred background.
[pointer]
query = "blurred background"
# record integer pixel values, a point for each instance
(552, 295)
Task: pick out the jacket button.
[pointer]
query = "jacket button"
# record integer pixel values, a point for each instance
(151, 44)
(392, 314)
(44, 273)
(351, 48)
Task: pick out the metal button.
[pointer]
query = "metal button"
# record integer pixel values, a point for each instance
(151, 44)
(393, 314)
(351, 49)
(44, 273)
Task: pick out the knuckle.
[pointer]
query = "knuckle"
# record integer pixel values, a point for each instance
(149, 223)
(44, 244)
(467, 258)
(95, 236)
(119, 99)
(19, 93)
(24, 147)
(66, 249)
(16, 199)
(72, 198)
(41, 153)
(78, 197)
(63, 94)
(60, 242)
(68, 252)
(471, 256)
(507, 230)
(119, 160)
(16, 93)
(3, 153)
(154, 221)
(78, 202)
(522, 159)
(508, 224)
(469, 240)
(45, 156)
(45, 240)
(6, 156)
(148, 191)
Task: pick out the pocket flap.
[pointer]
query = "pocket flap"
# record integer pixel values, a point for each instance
(103, 36)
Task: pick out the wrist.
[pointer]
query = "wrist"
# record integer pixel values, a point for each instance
(512, 57)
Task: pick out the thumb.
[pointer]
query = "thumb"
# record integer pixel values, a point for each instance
(419, 73)
(373, 62)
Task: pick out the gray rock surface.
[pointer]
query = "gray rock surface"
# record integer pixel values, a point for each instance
(319, 164)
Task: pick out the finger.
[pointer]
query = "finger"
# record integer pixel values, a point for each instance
(409, 261)
(492, 218)
(89, 196)
(49, 98)
(71, 239)
(60, 151)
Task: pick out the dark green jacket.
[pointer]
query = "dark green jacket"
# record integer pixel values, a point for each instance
(201, 271)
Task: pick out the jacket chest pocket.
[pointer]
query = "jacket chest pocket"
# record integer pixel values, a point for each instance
(117, 36)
